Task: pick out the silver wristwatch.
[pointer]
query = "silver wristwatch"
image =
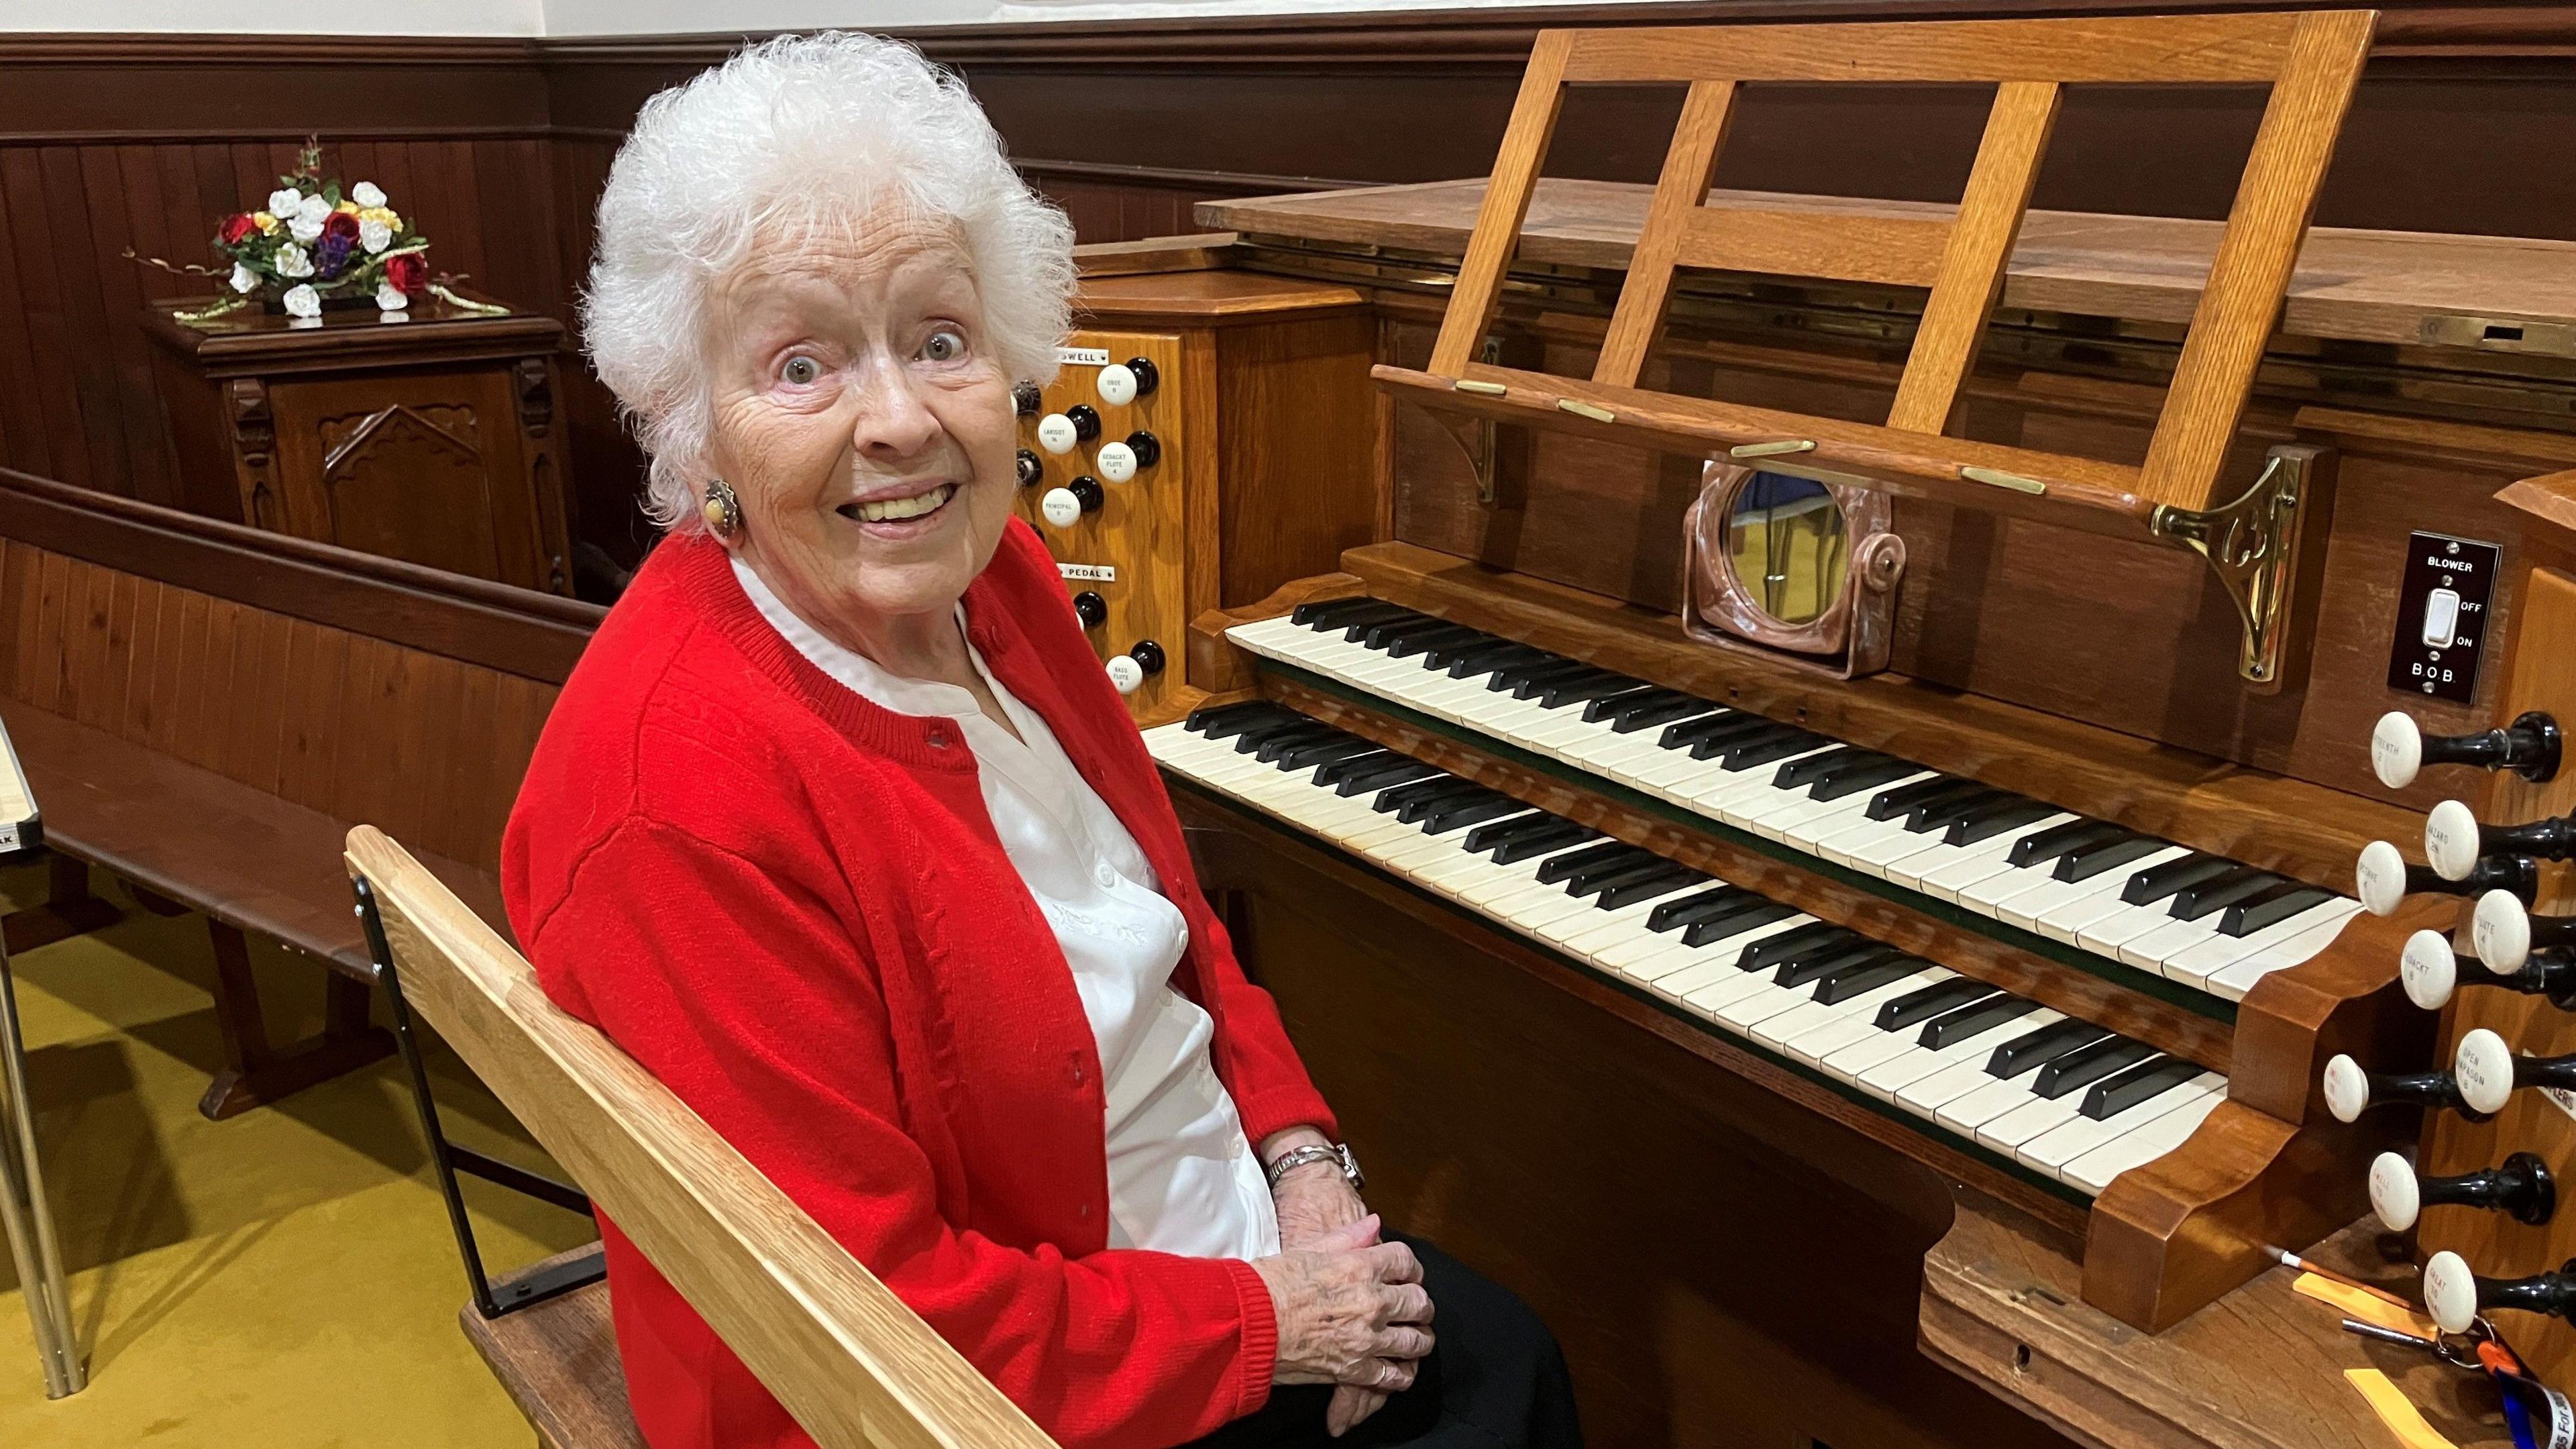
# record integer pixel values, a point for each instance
(1338, 1154)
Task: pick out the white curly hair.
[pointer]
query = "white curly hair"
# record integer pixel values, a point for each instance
(797, 133)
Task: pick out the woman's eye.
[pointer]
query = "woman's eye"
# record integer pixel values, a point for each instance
(945, 345)
(801, 371)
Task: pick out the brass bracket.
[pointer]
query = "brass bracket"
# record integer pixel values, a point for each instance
(2252, 545)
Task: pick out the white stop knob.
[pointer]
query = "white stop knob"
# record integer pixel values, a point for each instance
(2396, 749)
(1060, 507)
(1117, 462)
(2501, 927)
(1117, 385)
(2451, 1292)
(2347, 1090)
(1125, 673)
(2451, 840)
(1056, 434)
(2393, 1192)
(2483, 1069)
(2429, 969)
(2380, 878)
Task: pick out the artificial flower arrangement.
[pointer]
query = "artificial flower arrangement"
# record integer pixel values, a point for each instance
(316, 243)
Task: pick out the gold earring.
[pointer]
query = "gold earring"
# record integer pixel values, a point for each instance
(722, 511)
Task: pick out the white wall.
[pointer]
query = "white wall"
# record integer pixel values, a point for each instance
(281, 17)
(653, 17)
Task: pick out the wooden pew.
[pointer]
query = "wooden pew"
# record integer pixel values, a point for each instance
(841, 1352)
(204, 710)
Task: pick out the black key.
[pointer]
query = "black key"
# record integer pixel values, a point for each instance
(1399, 771)
(2033, 1050)
(1207, 715)
(2159, 881)
(1863, 979)
(1809, 969)
(2275, 906)
(1542, 686)
(1601, 877)
(2195, 901)
(1232, 725)
(1458, 815)
(2047, 845)
(1546, 666)
(1298, 729)
(1853, 779)
(1357, 628)
(1636, 713)
(2112, 1096)
(1427, 793)
(1789, 945)
(1753, 753)
(1429, 639)
(1548, 843)
(1486, 837)
(1931, 1001)
(1431, 787)
(1816, 766)
(1748, 729)
(2086, 864)
(1563, 866)
(1323, 613)
(1269, 750)
(1486, 658)
(1380, 635)
(1441, 656)
(1751, 917)
(1324, 753)
(1647, 888)
(1990, 820)
(1970, 1022)
(1557, 696)
(1336, 771)
(2087, 1065)
(1949, 810)
(1691, 731)
(1906, 799)
(1673, 915)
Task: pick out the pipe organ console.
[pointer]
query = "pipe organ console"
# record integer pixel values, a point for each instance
(1818, 842)
(1193, 400)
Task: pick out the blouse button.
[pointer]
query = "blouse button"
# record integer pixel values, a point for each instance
(938, 738)
(1077, 1074)
(1108, 874)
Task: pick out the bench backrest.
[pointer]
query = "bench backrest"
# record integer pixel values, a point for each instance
(364, 688)
(846, 1357)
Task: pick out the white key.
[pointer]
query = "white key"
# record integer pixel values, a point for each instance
(1963, 1104)
(2026, 908)
(1798, 821)
(1884, 1079)
(2239, 978)
(1782, 1031)
(1952, 866)
(2052, 1150)
(2094, 1171)
(1815, 1045)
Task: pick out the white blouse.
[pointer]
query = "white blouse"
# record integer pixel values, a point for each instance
(1182, 1176)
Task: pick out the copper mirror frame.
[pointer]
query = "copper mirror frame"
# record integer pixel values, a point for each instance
(1848, 635)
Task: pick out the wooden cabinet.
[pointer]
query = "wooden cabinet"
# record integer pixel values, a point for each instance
(432, 439)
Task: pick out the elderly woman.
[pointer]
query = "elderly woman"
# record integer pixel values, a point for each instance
(841, 831)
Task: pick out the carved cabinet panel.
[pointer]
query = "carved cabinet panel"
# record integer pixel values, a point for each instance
(431, 440)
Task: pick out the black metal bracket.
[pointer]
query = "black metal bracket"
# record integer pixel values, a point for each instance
(526, 1290)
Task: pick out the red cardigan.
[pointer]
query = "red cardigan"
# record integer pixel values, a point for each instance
(789, 904)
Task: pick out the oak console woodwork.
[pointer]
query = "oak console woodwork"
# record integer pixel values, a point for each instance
(431, 438)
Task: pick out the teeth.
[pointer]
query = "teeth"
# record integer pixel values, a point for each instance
(889, 509)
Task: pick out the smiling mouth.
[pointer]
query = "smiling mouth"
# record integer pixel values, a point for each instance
(895, 510)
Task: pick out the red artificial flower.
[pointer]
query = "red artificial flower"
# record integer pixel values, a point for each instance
(407, 272)
(340, 224)
(237, 226)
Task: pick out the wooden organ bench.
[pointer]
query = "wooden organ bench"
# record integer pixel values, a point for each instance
(842, 1353)
(205, 710)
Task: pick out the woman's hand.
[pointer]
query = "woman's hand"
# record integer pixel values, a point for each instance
(1313, 1201)
(1350, 1311)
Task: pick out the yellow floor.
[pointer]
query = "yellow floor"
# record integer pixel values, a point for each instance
(285, 1279)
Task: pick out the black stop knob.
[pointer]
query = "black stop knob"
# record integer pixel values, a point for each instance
(2384, 878)
(2529, 747)
(1032, 469)
(1148, 656)
(2456, 1297)
(1090, 608)
(1025, 399)
(1148, 377)
(1086, 423)
(1147, 448)
(1086, 491)
(2351, 1091)
(2520, 1187)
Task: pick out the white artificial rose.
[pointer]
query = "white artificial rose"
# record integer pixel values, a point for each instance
(283, 201)
(305, 229)
(314, 207)
(390, 298)
(293, 262)
(374, 235)
(303, 301)
(243, 279)
(367, 193)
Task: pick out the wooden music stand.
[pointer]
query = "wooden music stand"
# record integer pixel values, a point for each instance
(2310, 61)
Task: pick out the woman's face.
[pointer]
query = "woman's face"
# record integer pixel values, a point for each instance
(862, 422)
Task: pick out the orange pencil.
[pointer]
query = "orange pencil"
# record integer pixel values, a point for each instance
(2295, 1263)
